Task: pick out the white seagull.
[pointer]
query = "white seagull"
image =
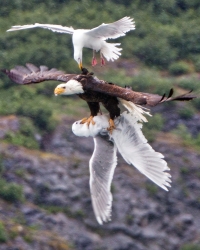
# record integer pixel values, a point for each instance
(93, 39)
(129, 140)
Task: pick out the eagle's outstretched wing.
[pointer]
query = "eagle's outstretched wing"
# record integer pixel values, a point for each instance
(32, 74)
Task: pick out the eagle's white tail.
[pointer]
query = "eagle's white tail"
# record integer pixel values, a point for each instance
(110, 51)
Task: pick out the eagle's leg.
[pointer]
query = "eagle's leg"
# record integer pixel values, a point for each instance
(88, 120)
(94, 109)
(94, 60)
(103, 62)
(111, 125)
(111, 104)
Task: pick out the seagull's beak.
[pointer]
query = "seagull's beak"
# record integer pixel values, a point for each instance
(80, 65)
(58, 91)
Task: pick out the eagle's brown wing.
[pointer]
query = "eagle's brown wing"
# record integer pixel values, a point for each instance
(153, 100)
(140, 98)
(32, 74)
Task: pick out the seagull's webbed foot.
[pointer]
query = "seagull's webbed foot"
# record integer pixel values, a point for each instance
(111, 126)
(88, 121)
(94, 61)
(103, 62)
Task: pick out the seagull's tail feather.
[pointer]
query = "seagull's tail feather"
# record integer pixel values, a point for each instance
(110, 51)
(135, 150)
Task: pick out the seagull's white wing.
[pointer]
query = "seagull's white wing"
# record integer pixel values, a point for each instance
(53, 27)
(102, 165)
(134, 148)
(113, 30)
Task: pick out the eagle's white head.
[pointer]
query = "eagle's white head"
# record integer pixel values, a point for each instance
(69, 88)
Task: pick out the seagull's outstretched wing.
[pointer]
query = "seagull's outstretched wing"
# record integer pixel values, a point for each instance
(52, 27)
(135, 150)
(113, 30)
(102, 165)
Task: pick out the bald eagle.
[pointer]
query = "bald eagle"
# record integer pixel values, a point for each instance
(93, 39)
(92, 90)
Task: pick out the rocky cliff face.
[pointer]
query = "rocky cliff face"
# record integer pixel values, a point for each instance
(57, 211)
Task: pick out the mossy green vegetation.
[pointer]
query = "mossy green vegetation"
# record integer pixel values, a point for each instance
(180, 68)
(190, 247)
(11, 192)
(187, 139)
(187, 112)
(3, 233)
(52, 209)
(151, 188)
(26, 136)
(153, 126)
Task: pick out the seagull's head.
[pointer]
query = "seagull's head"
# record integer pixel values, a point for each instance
(69, 88)
(78, 57)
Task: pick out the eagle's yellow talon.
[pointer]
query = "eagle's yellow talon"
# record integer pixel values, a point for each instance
(111, 126)
(88, 121)
(84, 120)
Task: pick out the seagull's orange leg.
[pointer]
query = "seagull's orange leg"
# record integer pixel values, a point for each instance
(88, 121)
(94, 60)
(103, 62)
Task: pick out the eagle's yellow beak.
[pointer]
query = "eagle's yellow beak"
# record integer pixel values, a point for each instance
(59, 91)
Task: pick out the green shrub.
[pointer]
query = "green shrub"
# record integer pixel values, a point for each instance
(190, 83)
(155, 122)
(145, 80)
(3, 234)
(180, 68)
(196, 103)
(25, 136)
(2, 168)
(153, 126)
(183, 132)
(21, 140)
(195, 58)
(151, 188)
(190, 247)
(197, 65)
(40, 115)
(186, 112)
(187, 138)
(11, 192)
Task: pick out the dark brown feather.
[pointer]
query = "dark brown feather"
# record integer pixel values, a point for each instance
(98, 89)
(32, 74)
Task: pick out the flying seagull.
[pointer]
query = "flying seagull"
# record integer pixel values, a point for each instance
(129, 140)
(92, 90)
(94, 39)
